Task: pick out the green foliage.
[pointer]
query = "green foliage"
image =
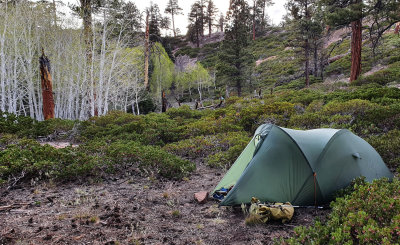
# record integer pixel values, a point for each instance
(278, 113)
(90, 159)
(189, 51)
(163, 70)
(234, 57)
(184, 112)
(388, 146)
(10, 123)
(150, 158)
(155, 129)
(28, 127)
(383, 77)
(29, 158)
(369, 215)
(219, 150)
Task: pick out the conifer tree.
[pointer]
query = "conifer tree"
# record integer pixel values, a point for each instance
(195, 24)
(259, 16)
(211, 15)
(234, 57)
(173, 9)
(221, 22)
(384, 15)
(201, 5)
(342, 13)
(155, 22)
(305, 27)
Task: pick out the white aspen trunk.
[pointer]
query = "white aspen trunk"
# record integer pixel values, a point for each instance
(199, 89)
(101, 71)
(137, 103)
(3, 71)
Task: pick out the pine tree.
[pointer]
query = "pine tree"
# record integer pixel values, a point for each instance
(155, 23)
(234, 57)
(221, 22)
(201, 5)
(173, 9)
(306, 29)
(259, 16)
(195, 24)
(342, 13)
(211, 15)
(382, 13)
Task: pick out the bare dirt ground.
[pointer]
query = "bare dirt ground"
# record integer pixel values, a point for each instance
(132, 210)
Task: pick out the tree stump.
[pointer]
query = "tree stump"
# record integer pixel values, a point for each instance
(47, 87)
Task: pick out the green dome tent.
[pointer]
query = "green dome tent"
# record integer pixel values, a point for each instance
(301, 167)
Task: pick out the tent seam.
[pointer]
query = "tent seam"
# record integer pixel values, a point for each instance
(325, 149)
(336, 134)
(304, 155)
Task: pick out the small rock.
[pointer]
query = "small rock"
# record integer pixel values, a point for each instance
(48, 237)
(201, 197)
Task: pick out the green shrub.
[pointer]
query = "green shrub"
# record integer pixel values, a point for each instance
(252, 116)
(197, 147)
(308, 121)
(382, 77)
(232, 145)
(184, 112)
(27, 127)
(36, 161)
(153, 128)
(149, 158)
(369, 215)
(388, 146)
(220, 150)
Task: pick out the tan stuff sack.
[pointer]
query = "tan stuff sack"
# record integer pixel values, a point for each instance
(265, 212)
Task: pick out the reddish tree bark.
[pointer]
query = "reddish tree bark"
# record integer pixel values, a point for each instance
(164, 102)
(47, 87)
(356, 44)
(396, 30)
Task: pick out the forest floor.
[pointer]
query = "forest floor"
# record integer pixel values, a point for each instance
(132, 210)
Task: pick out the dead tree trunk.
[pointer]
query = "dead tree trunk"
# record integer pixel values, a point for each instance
(163, 102)
(146, 53)
(47, 87)
(397, 28)
(356, 42)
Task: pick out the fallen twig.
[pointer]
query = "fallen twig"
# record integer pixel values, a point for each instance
(12, 206)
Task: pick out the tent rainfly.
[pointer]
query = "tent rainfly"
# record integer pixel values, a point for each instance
(300, 167)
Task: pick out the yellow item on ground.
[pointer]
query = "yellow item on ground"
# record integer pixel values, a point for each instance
(276, 211)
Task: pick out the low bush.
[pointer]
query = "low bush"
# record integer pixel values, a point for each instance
(369, 215)
(197, 147)
(219, 150)
(382, 77)
(388, 146)
(231, 147)
(29, 159)
(149, 159)
(153, 128)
